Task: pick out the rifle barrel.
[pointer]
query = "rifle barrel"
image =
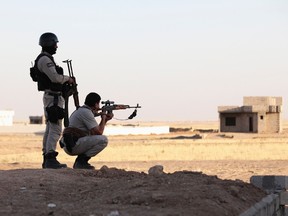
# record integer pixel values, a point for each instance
(122, 106)
(134, 106)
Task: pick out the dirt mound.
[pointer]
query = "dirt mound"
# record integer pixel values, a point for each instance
(115, 192)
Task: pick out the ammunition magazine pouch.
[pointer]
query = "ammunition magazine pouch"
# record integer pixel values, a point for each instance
(34, 73)
(45, 83)
(71, 136)
(55, 113)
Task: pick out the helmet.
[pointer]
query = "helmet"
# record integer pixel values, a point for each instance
(48, 39)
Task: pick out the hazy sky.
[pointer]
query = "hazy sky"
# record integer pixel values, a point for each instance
(179, 59)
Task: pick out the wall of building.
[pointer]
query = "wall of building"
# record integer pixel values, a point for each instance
(261, 122)
(273, 123)
(6, 117)
(252, 101)
(37, 119)
(242, 122)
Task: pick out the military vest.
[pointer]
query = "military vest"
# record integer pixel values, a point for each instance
(43, 81)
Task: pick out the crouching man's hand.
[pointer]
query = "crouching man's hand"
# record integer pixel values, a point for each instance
(109, 116)
(106, 116)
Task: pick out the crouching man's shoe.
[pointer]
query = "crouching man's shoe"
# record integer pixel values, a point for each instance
(50, 161)
(81, 162)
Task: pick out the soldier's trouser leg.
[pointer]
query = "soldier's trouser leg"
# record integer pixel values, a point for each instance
(53, 130)
(51, 136)
(89, 145)
(52, 133)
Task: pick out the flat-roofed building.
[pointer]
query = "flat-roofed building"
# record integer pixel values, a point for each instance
(257, 115)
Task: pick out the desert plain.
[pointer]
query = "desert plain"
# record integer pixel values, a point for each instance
(205, 172)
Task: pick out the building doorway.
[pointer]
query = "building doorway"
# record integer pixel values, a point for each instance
(250, 124)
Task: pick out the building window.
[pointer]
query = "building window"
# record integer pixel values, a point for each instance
(230, 121)
(261, 117)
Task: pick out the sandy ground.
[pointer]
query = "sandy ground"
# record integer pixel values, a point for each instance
(207, 176)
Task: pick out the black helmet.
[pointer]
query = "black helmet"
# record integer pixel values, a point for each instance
(48, 39)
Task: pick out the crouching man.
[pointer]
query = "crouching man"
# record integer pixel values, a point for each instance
(83, 137)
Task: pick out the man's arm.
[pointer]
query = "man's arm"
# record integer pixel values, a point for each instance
(98, 130)
(48, 67)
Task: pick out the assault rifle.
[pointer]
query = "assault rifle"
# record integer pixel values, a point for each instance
(109, 106)
(68, 90)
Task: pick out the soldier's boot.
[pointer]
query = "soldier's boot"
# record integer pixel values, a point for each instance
(81, 162)
(51, 162)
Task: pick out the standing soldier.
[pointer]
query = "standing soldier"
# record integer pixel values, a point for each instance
(51, 80)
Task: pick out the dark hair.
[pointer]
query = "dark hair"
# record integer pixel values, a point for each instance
(92, 98)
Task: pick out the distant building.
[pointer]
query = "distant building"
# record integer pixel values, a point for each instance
(37, 119)
(257, 115)
(6, 117)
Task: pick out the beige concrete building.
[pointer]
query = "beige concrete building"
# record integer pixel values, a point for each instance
(257, 115)
(37, 119)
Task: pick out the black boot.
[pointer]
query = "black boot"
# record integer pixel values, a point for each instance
(81, 162)
(51, 162)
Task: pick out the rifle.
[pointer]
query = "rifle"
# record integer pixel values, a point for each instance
(68, 90)
(109, 106)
